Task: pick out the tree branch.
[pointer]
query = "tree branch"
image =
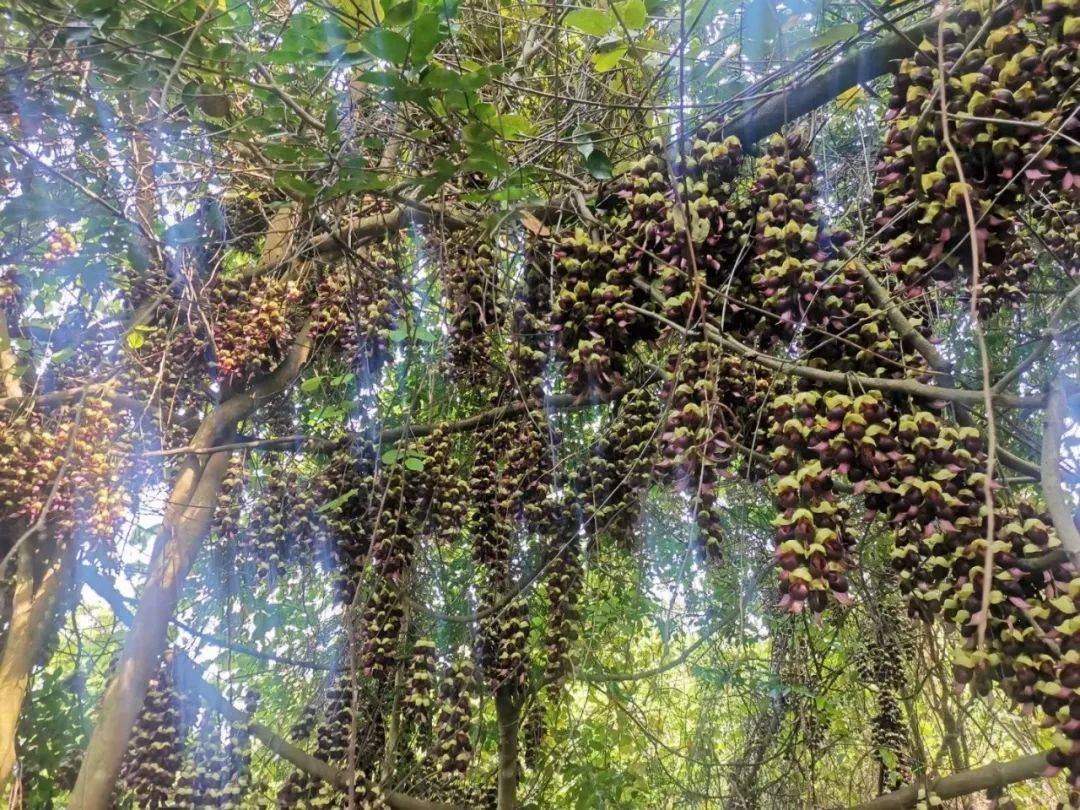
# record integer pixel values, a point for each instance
(681, 658)
(748, 126)
(105, 391)
(842, 380)
(389, 435)
(33, 599)
(101, 584)
(899, 321)
(994, 775)
(32, 613)
(795, 101)
(715, 334)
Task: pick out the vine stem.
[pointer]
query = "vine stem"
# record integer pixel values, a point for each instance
(980, 340)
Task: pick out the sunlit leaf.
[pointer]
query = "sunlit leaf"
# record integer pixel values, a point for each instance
(591, 21)
(607, 59)
(401, 13)
(386, 44)
(296, 185)
(760, 29)
(850, 98)
(632, 13)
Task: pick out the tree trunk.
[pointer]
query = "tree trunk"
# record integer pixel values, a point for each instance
(193, 498)
(146, 642)
(1056, 413)
(31, 610)
(31, 617)
(508, 712)
(762, 732)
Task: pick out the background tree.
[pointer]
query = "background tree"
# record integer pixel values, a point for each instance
(434, 404)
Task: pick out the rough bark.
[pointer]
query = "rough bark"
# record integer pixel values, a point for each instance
(763, 728)
(142, 169)
(103, 390)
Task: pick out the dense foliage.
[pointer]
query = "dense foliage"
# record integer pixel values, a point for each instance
(644, 404)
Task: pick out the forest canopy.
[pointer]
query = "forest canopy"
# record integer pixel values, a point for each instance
(443, 404)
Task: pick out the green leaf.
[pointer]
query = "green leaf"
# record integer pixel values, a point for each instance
(414, 463)
(135, 340)
(400, 13)
(476, 132)
(591, 21)
(399, 334)
(294, 184)
(605, 60)
(443, 170)
(484, 158)
(282, 153)
(599, 165)
(888, 758)
(92, 7)
(583, 138)
(380, 78)
(653, 45)
(837, 33)
(338, 501)
(357, 180)
(311, 384)
(386, 44)
(61, 356)
(443, 79)
(448, 9)
(426, 34)
(702, 11)
(632, 13)
(511, 125)
(391, 456)
(426, 335)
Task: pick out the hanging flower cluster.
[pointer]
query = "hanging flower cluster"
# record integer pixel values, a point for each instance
(453, 724)
(1007, 94)
(252, 325)
(354, 312)
(67, 469)
(620, 470)
(155, 753)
